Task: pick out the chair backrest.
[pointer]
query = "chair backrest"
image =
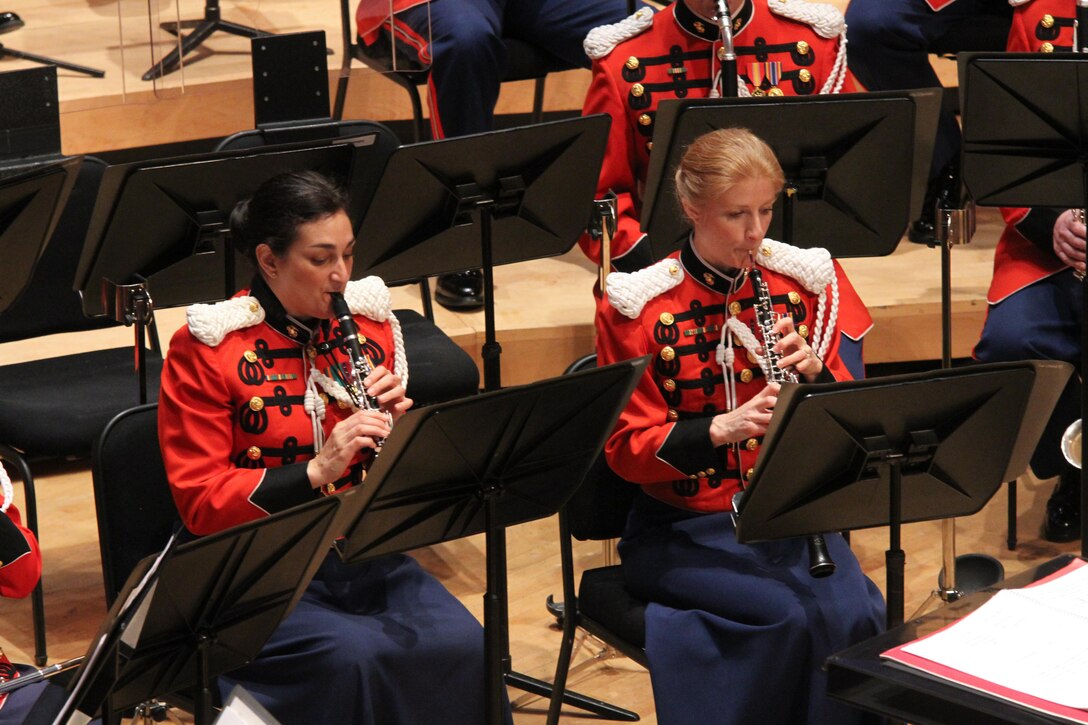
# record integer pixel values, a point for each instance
(136, 512)
(49, 304)
(598, 509)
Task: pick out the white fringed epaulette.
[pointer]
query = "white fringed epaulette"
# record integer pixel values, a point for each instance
(603, 39)
(211, 323)
(369, 297)
(813, 268)
(826, 19)
(629, 292)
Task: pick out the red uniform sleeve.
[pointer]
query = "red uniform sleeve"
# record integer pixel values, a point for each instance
(634, 450)
(617, 171)
(196, 437)
(20, 557)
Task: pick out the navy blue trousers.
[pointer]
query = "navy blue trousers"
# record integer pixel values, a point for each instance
(738, 633)
(1041, 322)
(381, 643)
(469, 56)
(890, 41)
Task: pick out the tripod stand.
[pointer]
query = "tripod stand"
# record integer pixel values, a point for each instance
(10, 22)
(201, 31)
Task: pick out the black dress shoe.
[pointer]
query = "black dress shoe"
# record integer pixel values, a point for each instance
(1062, 522)
(942, 191)
(460, 290)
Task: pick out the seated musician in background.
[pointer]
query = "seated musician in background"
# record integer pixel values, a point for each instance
(1035, 298)
(254, 418)
(734, 633)
(20, 569)
(462, 43)
(783, 48)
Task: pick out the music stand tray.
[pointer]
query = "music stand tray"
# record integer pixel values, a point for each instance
(897, 449)
(31, 202)
(201, 609)
(834, 150)
(481, 464)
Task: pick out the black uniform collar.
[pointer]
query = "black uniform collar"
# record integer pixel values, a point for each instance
(707, 29)
(297, 329)
(724, 282)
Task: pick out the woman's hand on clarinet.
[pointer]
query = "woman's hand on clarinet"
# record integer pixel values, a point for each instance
(1069, 242)
(747, 421)
(795, 352)
(387, 388)
(363, 429)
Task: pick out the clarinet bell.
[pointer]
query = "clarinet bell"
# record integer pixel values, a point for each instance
(820, 564)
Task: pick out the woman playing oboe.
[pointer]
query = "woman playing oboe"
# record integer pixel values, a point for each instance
(734, 633)
(255, 417)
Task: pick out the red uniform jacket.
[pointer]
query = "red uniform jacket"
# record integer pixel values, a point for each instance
(674, 56)
(233, 429)
(20, 557)
(1025, 253)
(662, 439)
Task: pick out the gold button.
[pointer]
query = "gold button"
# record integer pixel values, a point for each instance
(802, 330)
(701, 474)
(667, 353)
(632, 63)
(649, 146)
(794, 298)
(734, 308)
(253, 452)
(637, 90)
(721, 53)
(803, 75)
(324, 398)
(751, 444)
(708, 278)
(674, 269)
(342, 405)
(672, 415)
(667, 318)
(699, 27)
(669, 384)
(292, 331)
(645, 120)
(250, 356)
(256, 404)
(746, 376)
(752, 358)
(312, 352)
(710, 471)
(765, 251)
(253, 306)
(692, 476)
(749, 472)
(1047, 47)
(362, 339)
(775, 91)
(802, 49)
(1047, 21)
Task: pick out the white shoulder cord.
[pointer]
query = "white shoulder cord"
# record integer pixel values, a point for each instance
(314, 404)
(5, 485)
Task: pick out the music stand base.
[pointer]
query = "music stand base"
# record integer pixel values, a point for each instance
(44, 60)
(574, 699)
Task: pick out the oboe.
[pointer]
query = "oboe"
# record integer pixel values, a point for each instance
(359, 366)
(729, 54)
(820, 562)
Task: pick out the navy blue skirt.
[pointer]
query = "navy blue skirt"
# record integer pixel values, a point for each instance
(738, 633)
(383, 642)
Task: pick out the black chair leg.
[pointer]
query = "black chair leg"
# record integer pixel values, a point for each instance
(1010, 539)
(37, 597)
(538, 100)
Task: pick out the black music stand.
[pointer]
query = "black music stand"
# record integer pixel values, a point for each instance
(1033, 152)
(834, 150)
(484, 463)
(31, 202)
(201, 30)
(482, 201)
(163, 225)
(11, 22)
(895, 450)
(200, 609)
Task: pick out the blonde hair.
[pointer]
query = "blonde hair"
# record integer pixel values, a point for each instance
(718, 160)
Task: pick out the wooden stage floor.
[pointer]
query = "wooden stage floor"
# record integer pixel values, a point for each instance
(545, 314)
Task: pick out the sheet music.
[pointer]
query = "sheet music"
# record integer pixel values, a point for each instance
(1032, 640)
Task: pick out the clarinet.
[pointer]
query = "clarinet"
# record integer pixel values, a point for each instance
(729, 54)
(359, 367)
(820, 562)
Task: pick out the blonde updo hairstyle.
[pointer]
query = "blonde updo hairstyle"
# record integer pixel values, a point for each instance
(718, 160)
